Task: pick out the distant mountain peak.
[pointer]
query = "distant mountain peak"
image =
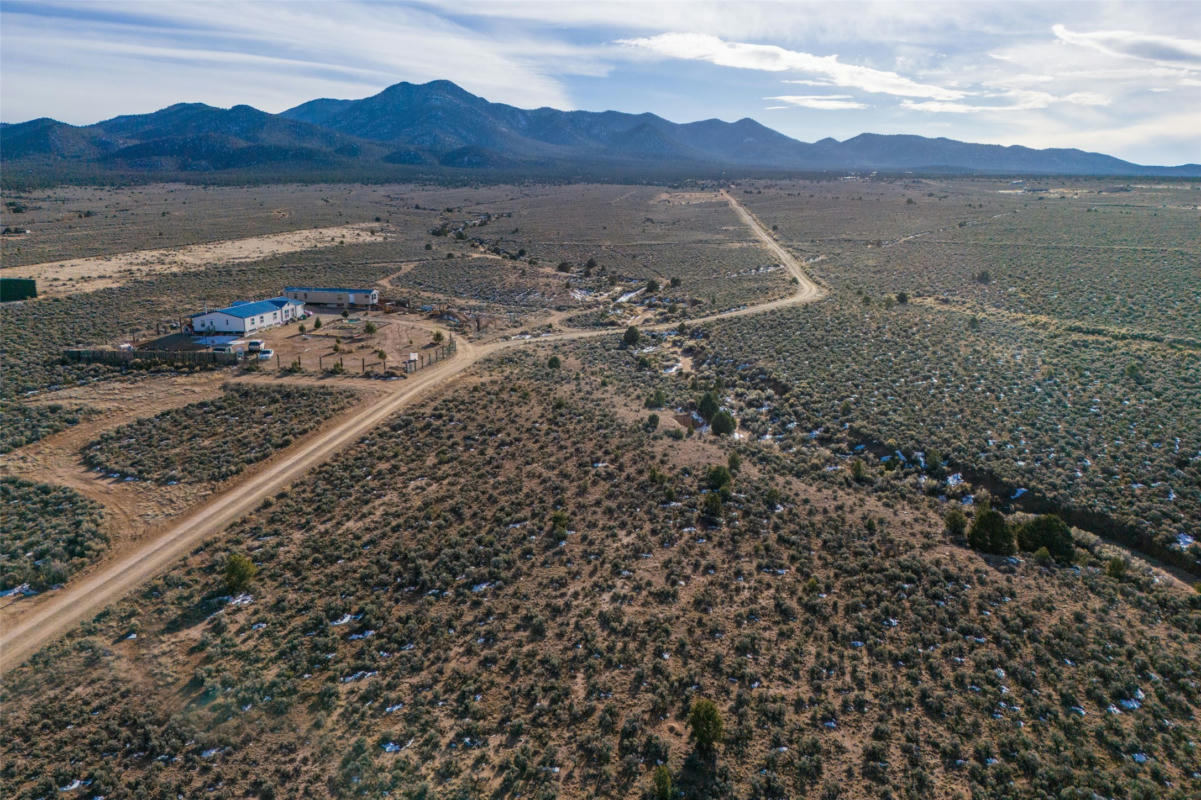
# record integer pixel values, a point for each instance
(440, 123)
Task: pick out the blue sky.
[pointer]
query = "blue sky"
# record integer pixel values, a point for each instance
(1122, 78)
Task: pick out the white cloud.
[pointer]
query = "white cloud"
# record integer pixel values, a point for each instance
(770, 58)
(1135, 44)
(1087, 99)
(142, 56)
(821, 102)
(1021, 100)
(1139, 141)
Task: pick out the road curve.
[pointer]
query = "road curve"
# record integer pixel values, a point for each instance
(92, 593)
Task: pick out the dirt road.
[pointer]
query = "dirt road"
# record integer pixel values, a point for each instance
(61, 612)
(807, 291)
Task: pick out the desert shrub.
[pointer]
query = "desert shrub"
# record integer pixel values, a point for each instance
(723, 423)
(708, 406)
(956, 522)
(22, 424)
(662, 787)
(214, 439)
(239, 571)
(990, 533)
(705, 725)
(858, 470)
(1047, 531)
(48, 533)
(719, 478)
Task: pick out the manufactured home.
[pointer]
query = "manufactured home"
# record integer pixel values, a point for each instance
(244, 317)
(359, 298)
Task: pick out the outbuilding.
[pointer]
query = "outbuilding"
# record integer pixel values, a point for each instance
(245, 317)
(358, 298)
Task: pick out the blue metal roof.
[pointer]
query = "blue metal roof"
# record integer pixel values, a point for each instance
(246, 310)
(323, 289)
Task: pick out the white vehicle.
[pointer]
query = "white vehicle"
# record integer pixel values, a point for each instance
(265, 354)
(254, 345)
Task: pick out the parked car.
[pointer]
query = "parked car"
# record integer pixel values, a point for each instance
(266, 354)
(254, 345)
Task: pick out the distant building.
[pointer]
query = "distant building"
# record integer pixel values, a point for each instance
(360, 298)
(245, 317)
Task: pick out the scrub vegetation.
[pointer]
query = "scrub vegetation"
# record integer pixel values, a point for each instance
(585, 616)
(214, 439)
(22, 424)
(49, 533)
(928, 537)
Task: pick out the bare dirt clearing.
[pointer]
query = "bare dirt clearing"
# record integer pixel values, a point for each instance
(88, 274)
(685, 198)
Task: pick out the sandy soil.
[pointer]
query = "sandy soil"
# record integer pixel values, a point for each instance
(88, 274)
(397, 335)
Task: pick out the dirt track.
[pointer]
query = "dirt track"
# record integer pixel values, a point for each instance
(41, 623)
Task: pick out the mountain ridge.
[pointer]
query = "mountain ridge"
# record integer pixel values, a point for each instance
(441, 126)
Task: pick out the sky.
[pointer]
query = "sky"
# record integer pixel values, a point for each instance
(1123, 78)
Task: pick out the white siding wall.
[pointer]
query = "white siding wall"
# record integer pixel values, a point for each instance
(227, 323)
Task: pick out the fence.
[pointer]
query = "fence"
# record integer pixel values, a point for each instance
(120, 357)
(336, 362)
(437, 354)
(124, 357)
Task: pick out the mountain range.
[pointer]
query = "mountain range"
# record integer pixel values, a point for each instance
(440, 127)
